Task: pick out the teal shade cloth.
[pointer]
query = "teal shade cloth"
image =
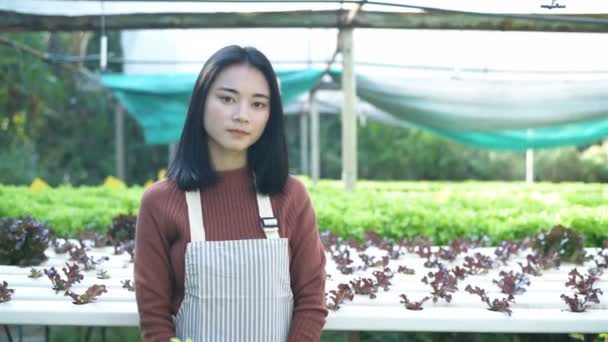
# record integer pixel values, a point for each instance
(492, 114)
(159, 102)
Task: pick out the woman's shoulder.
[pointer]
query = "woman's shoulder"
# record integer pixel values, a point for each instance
(294, 193)
(295, 187)
(160, 192)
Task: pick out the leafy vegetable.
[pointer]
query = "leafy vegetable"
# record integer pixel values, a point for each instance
(23, 241)
(383, 278)
(412, 305)
(478, 264)
(72, 276)
(344, 293)
(89, 296)
(405, 270)
(443, 284)
(501, 305)
(34, 273)
(103, 274)
(584, 285)
(343, 260)
(5, 292)
(505, 250)
(576, 304)
(565, 242)
(364, 286)
(126, 284)
(531, 267)
(122, 229)
(512, 284)
(470, 211)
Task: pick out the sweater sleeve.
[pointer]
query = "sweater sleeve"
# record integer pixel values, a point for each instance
(307, 274)
(152, 272)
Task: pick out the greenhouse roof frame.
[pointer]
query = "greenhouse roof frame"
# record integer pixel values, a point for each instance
(70, 15)
(54, 15)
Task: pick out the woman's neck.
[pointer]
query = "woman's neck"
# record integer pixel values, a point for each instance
(229, 161)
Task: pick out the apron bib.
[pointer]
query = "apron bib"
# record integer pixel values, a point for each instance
(235, 290)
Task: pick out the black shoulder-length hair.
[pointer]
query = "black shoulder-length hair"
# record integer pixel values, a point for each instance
(266, 158)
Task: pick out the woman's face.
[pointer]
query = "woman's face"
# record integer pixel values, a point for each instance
(236, 111)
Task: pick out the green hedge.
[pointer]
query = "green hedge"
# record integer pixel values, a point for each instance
(441, 210)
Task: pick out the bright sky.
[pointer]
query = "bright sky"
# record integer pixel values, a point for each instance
(451, 49)
(436, 48)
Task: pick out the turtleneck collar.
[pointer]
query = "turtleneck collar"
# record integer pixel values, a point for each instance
(235, 178)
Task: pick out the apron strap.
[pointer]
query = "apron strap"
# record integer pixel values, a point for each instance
(269, 223)
(267, 220)
(195, 215)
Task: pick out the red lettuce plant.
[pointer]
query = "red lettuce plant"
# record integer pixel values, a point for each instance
(459, 272)
(505, 250)
(564, 242)
(89, 296)
(122, 228)
(329, 240)
(5, 292)
(405, 270)
(531, 267)
(546, 262)
(500, 305)
(512, 284)
(364, 286)
(126, 284)
(584, 285)
(576, 304)
(412, 305)
(443, 284)
(415, 243)
(62, 246)
(23, 241)
(370, 261)
(34, 273)
(72, 274)
(478, 264)
(383, 278)
(343, 294)
(343, 260)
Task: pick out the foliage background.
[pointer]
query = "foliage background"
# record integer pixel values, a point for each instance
(57, 124)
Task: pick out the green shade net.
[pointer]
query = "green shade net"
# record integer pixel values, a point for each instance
(500, 115)
(159, 102)
(493, 114)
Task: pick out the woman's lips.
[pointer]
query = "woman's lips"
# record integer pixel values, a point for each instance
(237, 132)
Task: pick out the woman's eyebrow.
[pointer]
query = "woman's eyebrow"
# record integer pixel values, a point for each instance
(262, 95)
(234, 91)
(230, 90)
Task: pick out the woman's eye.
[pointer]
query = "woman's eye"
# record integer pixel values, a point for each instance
(259, 105)
(226, 99)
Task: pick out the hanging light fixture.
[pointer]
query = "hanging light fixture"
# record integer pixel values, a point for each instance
(554, 4)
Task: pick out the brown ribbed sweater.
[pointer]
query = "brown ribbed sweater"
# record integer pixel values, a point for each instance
(230, 213)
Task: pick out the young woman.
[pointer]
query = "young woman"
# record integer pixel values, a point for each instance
(227, 247)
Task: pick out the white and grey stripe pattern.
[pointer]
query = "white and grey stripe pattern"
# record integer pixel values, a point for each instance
(235, 290)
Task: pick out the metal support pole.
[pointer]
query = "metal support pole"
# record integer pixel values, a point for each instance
(349, 118)
(529, 160)
(172, 152)
(529, 166)
(315, 136)
(119, 133)
(304, 168)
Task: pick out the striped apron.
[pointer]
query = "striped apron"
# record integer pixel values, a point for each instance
(235, 290)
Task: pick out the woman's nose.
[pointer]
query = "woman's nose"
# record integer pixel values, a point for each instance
(241, 114)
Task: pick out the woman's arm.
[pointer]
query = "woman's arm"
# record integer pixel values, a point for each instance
(307, 274)
(153, 287)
